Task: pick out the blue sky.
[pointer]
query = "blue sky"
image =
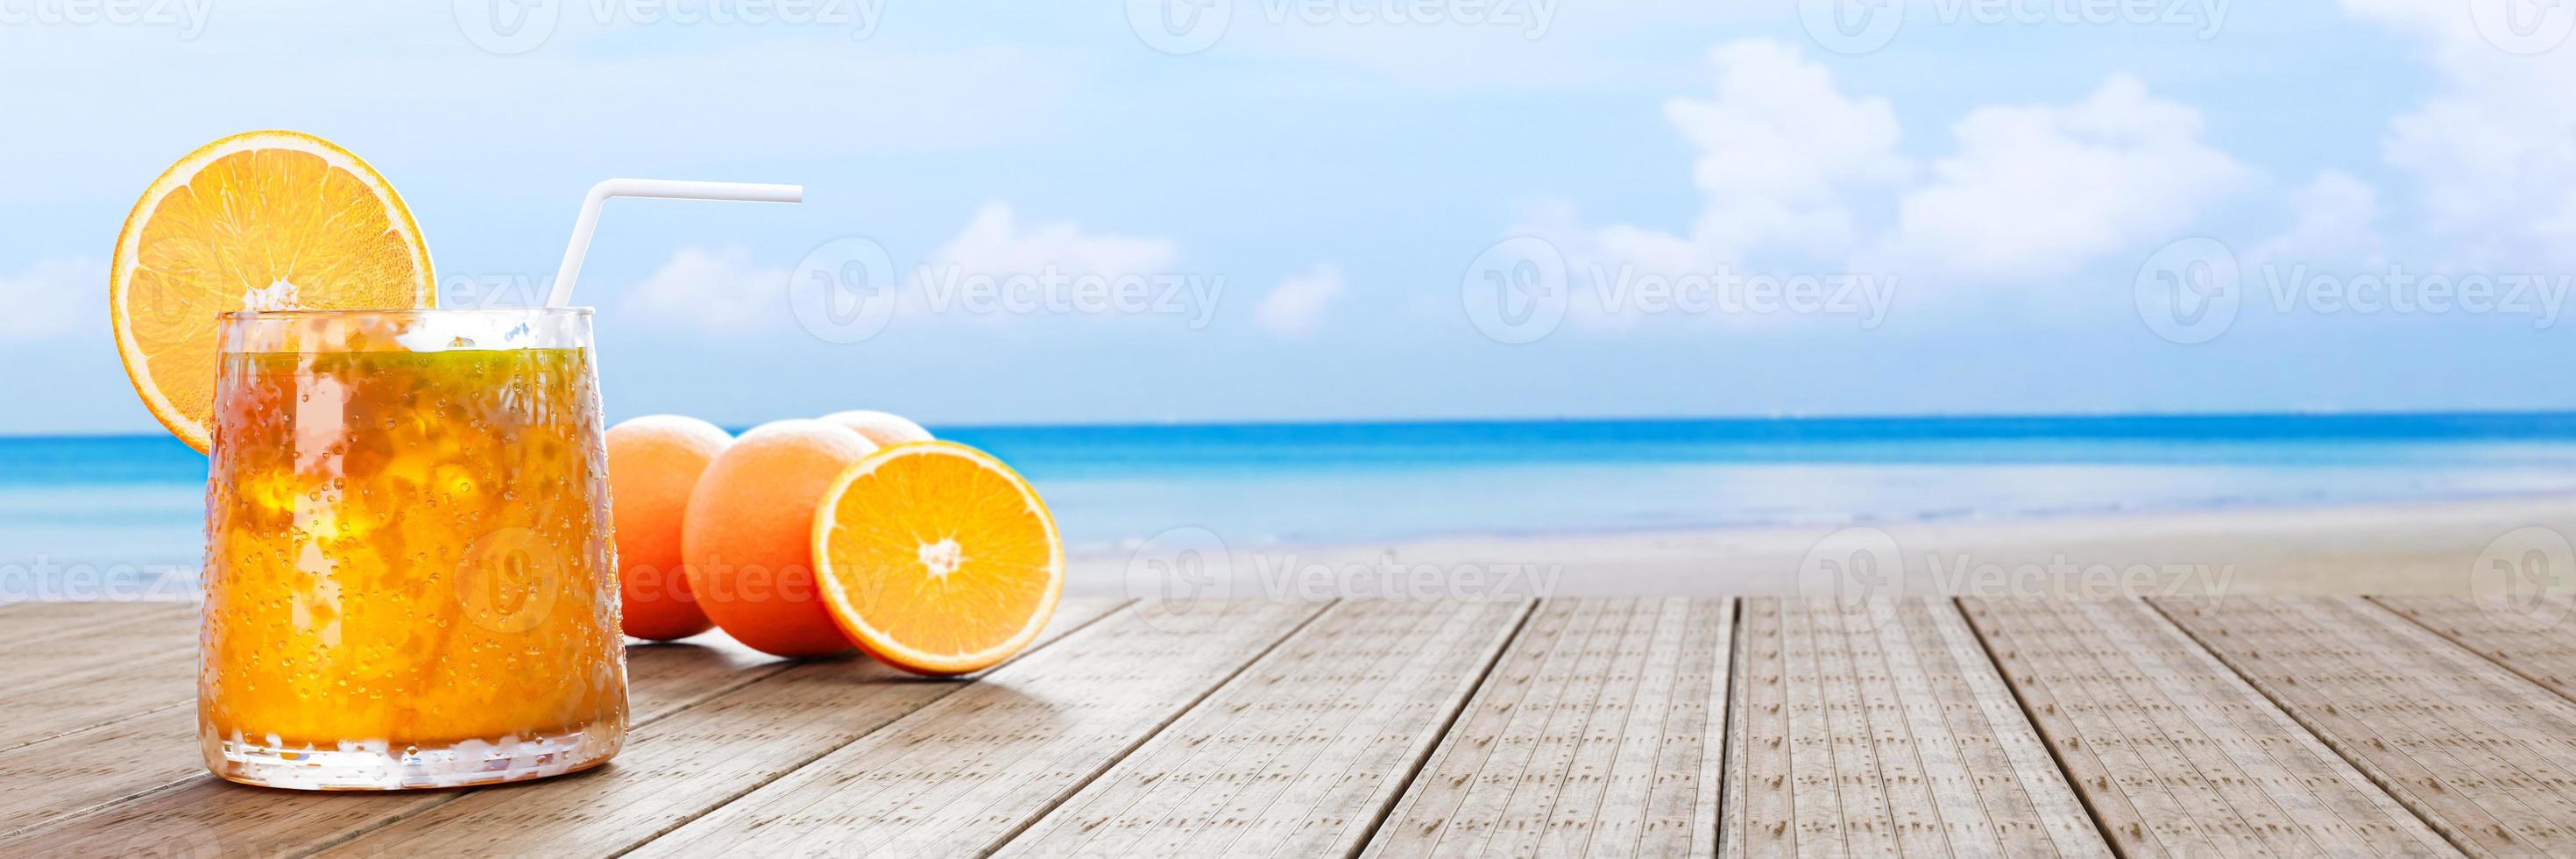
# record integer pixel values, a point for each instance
(1303, 211)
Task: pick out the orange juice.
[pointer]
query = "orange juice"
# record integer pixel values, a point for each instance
(409, 574)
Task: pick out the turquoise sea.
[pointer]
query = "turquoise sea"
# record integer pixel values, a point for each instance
(129, 508)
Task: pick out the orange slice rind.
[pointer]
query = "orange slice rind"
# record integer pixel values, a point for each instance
(264, 220)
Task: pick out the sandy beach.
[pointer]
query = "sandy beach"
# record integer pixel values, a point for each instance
(2432, 548)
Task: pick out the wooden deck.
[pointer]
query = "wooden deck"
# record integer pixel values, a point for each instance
(2247, 726)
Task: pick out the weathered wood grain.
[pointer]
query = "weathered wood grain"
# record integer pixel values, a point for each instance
(1301, 753)
(2290, 727)
(678, 768)
(26, 623)
(1594, 734)
(2174, 752)
(1881, 729)
(2479, 753)
(124, 661)
(2536, 640)
(155, 795)
(961, 775)
(98, 644)
(86, 770)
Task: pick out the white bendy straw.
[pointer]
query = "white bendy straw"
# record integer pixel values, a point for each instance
(665, 189)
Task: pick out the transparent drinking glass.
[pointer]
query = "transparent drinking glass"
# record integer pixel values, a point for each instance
(409, 578)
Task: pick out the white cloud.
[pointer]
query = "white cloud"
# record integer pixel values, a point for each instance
(53, 298)
(2337, 220)
(995, 243)
(715, 291)
(1297, 304)
(2491, 151)
(1783, 154)
(2038, 191)
(1780, 149)
(1791, 170)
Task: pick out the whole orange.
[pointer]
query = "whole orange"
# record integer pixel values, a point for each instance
(653, 464)
(748, 540)
(885, 428)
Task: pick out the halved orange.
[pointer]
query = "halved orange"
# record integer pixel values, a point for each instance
(936, 558)
(264, 220)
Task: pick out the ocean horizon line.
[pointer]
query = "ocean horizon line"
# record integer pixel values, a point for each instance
(2553, 418)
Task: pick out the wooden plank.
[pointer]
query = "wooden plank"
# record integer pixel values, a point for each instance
(131, 660)
(106, 642)
(23, 623)
(2535, 641)
(1301, 753)
(1594, 734)
(2479, 753)
(2147, 721)
(2000, 766)
(84, 771)
(1882, 729)
(966, 772)
(1758, 818)
(681, 767)
(199, 814)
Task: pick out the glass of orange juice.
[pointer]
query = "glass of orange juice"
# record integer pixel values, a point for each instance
(409, 578)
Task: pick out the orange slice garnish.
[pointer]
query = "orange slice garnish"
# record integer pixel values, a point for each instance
(265, 220)
(936, 558)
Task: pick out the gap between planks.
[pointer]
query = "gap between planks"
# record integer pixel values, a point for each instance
(1048, 639)
(349, 815)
